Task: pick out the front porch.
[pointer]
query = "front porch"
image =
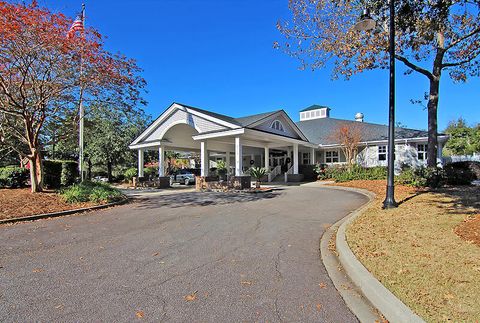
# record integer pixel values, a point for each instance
(269, 140)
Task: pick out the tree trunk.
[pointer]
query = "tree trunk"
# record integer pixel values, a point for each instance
(36, 171)
(109, 170)
(89, 175)
(432, 122)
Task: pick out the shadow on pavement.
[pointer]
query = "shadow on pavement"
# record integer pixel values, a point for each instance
(203, 199)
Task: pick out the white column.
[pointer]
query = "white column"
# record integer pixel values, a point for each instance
(204, 158)
(313, 157)
(267, 157)
(295, 158)
(161, 161)
(238, 157)
(227, 160)
(140, 163)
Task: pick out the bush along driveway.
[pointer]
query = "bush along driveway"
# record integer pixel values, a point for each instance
(192, 256)
(21, 203)
(427, 251)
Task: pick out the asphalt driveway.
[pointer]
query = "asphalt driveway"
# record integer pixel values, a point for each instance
(184, 257)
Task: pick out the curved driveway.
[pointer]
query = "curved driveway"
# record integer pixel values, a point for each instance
(184, 257)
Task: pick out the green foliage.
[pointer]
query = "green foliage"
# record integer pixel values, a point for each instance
(343, 174)
(221, 165)
(462, 173)
(412, 177)
(59, 173)
(108, 132)
(150, 171)
(258, 172)
(130, 173)
(464, 140)
(91, 192)
(13, 177)
(422, 177)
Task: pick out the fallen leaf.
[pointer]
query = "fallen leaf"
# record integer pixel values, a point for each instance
(246, 282)
(155, 254)
(191, 297)
(139, 314)
(37, 270)
(322, 285)
(59, 306)
(319, 307)
(448, 296)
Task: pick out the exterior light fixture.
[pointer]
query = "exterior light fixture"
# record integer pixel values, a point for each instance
(366, 23)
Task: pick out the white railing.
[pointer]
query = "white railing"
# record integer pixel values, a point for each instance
(289, 171)
(274, 173)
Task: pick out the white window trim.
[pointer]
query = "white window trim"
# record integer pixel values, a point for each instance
(382, 153)
(422, 152)
(281, 127)
(333, 151)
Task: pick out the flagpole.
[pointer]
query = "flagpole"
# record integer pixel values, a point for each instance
(81, 112)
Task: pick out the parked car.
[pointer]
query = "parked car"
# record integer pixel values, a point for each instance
(100, 179)
(183, 177)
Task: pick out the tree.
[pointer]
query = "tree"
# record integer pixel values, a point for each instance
(40, 77)
(433, 37)
(108, 132)
(464, 140)
(349, 136)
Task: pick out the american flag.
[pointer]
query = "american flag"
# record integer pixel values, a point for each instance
(78, 24)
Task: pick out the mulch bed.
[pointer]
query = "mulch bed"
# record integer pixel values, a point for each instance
(21, 202)
(470, 230)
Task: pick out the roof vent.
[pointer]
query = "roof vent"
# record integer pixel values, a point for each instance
(359, 117)
(315, 112)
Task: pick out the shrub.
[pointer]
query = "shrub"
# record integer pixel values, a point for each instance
(130, 173)
(411, 177)
(150, 171)
(59, 173)
(13, 176)
(422, 177)
(343, 174)
(91, 192)
(462, 173)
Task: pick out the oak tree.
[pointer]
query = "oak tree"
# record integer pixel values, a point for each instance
(433, 38)
(40, 79)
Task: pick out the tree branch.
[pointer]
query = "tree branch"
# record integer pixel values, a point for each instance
(454, 43)
(414, 67)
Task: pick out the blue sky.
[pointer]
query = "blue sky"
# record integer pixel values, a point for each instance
(218, 55)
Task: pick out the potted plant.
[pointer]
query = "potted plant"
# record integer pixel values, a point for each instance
(258, 173)
(222, 170)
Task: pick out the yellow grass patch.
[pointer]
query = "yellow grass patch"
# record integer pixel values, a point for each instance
(414, 250)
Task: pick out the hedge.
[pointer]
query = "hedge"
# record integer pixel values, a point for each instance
(59, 173)
(13, 177)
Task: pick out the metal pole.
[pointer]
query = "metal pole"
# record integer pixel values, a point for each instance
(81, 112)
(390, 198)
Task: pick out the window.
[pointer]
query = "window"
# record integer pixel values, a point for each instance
(382, 152)
(277, 125)
(331, 156)
(317, 113)
(306, 158)
(422, 151)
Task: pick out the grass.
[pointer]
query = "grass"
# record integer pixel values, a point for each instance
(414, 250)
(91, 192)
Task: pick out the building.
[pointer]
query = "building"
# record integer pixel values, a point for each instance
(274, 141)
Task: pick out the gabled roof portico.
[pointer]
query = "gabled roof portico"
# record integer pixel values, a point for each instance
(186, 128)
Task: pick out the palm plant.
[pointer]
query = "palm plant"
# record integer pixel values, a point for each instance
(258, 173)
(221, 169)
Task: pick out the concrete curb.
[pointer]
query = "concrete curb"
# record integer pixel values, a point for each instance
(378, 295)
(62, 213)
(356, 302)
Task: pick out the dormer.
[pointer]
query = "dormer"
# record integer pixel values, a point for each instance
(315, 112)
